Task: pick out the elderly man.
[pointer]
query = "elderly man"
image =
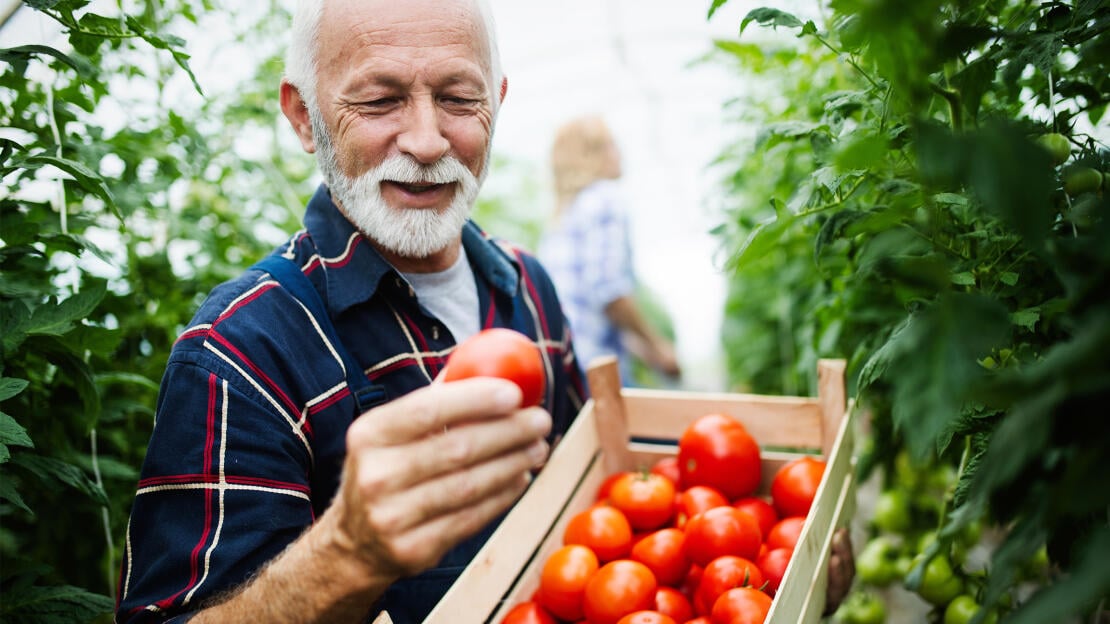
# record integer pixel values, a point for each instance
(303, 466)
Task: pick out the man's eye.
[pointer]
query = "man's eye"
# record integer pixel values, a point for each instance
(380, 103)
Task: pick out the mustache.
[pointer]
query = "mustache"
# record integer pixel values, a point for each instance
(407, 170)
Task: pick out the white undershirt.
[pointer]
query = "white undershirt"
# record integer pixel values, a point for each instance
(451, 296)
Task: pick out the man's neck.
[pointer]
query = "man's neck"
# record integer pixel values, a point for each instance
(438, 261)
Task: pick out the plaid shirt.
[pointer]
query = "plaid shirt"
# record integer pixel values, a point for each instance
(249, 436)
(589, 257)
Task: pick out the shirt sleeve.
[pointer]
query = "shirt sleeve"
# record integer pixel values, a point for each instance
(224, 488)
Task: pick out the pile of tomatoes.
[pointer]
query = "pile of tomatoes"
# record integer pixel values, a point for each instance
(687, 540)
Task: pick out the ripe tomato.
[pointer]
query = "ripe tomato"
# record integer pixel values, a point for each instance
(723, 574)
(646, 617)
(695, 500)
(795, 484)
(668, 467)
(647, 499)
(773, 566)
(785, 533)
(607, 486)
(618, 588)
(603, 529)
(741, 605)
(670, 601)
(764, 513)
(722, 531)
(716, 450)
(500, 352)
(664, 553)
(528, 613)
(563, 580)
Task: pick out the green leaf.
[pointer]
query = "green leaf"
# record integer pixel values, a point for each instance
(21, 53)
(763, 238)
(61, 354)
(84, 176)
(770, 17)
(10, 386)
(713, 7)
(61, 604)
(963, 278)
(1026, 318)
(58, 319)
(12, 433)
(10, 494)
(53, 472)
(1081, 590)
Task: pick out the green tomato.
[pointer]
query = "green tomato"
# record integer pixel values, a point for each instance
(875, 564)
(963, 608)
(1082, 180)
(861, 608)
(1057, 145)
(939, 585)
(892, 511)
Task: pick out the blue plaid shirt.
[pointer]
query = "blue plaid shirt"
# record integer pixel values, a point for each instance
(249, 435)
(589, 257)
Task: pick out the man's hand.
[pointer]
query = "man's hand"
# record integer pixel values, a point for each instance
(431, 468)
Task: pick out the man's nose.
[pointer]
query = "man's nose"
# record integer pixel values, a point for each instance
(422, 137)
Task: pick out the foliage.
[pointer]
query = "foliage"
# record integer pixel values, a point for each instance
(114, 225)
(919, 228)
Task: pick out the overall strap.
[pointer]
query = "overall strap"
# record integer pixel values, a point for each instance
(289, 275)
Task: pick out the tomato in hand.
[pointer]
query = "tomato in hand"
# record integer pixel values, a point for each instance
(763, 512)
(723, 574)
(670, 601)
(664, 552)
(795, 484)
(668, 467)
(645, 498)
(741, 605)
(785, 533)
(717, 450)
(601, 528)
(618, 588)
(528, 612)
(722, 531)
(500, 352)
(646, 617)
(563, 580)
(773, 566)
(695, 500)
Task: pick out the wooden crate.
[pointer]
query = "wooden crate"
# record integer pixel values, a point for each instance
(626, 428)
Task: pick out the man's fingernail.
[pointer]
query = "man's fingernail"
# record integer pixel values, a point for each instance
(540, 422)
(537, 452)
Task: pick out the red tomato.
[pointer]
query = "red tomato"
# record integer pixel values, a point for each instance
(716, 450)
(764, 513)
(563, 580)
(700, 620)
(785, 533)
(723, 574)
(618, 588)
(773, 566)
(695, 500)
(741, 605)
(670, 601)
(646, 617)
(668, 467)
(603, 529)
(795, 485)
(664, 553)
(607, 486)
(500, 352)
(693, 577)
(722, 531)
(647, 499)
(528, 613)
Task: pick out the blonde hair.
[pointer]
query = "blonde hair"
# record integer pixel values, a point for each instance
(580, 155)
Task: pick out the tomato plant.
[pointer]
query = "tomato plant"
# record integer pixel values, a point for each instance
(716, 450)
(646, 499)
(741, 605)
(795, 484)
(504, 353)
(664, 552)
(563, 580)
(618, 588)
(722, 531)
(601, 528)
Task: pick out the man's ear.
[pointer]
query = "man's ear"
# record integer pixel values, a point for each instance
(504, 89)
(295, 110)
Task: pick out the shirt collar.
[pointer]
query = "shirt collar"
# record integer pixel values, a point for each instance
(354, 269)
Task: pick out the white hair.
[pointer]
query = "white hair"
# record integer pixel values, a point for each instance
(300, 57)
